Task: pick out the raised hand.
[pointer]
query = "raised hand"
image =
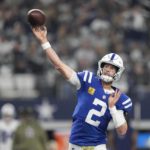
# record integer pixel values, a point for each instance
(40, 33)
(113, 98)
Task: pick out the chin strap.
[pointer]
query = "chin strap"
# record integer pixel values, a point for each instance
(106, 78)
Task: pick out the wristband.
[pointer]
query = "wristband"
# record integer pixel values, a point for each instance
(117, 116)
(46, 45)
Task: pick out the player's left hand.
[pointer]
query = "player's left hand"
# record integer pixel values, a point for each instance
(113, 98)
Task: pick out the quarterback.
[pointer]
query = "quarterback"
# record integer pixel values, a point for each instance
(98, 101)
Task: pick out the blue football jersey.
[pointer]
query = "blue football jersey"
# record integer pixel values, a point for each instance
(91, 115)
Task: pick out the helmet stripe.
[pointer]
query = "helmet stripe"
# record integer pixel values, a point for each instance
(112, 57)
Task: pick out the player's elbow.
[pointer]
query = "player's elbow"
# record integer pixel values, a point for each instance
(122, 130)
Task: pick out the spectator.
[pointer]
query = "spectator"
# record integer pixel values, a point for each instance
(29, 135)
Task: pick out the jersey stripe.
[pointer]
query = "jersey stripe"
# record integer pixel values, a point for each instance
(127, 106)
(85, 76)
(90, 78)
(127, 101)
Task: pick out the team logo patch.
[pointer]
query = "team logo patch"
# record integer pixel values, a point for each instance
(91, 90)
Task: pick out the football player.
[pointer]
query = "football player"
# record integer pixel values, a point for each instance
(98, 101)
(8, 126)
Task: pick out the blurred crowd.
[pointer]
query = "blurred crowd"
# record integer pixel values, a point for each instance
(25, 132)
(81, 32)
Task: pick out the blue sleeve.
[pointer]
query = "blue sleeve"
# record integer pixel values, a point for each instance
(85, 77)
(124, 103)
(81, 76)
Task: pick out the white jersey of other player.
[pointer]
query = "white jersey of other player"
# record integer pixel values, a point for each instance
(6, 134)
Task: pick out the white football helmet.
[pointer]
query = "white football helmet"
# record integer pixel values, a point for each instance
(112, 59)
(8, 109)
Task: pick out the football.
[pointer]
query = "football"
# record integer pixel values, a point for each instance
(36, 17)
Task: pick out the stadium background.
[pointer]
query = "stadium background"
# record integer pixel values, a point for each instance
(81, 32)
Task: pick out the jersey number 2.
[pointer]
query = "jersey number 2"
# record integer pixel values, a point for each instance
(97, 113)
